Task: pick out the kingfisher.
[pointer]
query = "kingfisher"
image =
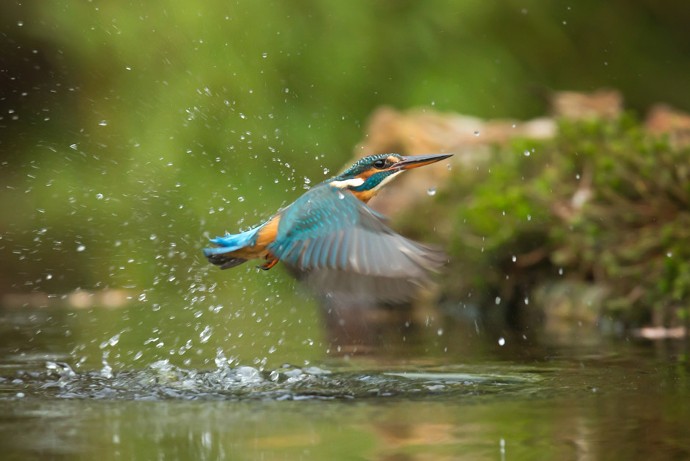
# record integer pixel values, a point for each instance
(332, 238)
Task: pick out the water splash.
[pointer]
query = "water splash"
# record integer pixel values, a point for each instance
(162, 380)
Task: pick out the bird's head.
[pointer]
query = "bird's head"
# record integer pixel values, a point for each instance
(369, 174)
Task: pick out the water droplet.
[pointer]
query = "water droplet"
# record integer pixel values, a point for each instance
(107, 370)
(560, 271)
(240, 199)
(498, 300)
(669, 254)
(81, 248)
(49, 276)
(514, 258)
(526, 153)
(103, 123)
(431, 191)
(73, 146)
(439, 332)
(501, 341)
(476, 132)
(341, 195)
(205, 335)
(111, 342)
(264, 55)
(99, 196)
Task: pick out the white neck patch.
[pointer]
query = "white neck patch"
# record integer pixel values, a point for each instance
(354, 182)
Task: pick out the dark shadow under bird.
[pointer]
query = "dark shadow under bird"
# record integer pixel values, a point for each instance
(331, 239)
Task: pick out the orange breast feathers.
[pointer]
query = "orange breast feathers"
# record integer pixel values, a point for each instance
(364, 195)
(268, 232)
(265, 236)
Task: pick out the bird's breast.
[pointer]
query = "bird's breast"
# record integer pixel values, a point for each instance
(268, 232)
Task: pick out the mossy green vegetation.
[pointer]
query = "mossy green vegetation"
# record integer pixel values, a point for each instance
(602, 204)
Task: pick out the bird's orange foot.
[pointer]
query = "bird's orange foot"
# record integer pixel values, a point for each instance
(269, 263)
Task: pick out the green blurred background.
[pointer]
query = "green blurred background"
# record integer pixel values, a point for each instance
(128, 129)
(131, 130)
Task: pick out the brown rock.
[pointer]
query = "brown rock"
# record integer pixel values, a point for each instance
(421, 131)
(663, 119)
(607, 104)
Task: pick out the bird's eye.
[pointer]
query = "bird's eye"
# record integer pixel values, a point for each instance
(380, 163)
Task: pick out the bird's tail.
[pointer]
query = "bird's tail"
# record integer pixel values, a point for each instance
(222, 254)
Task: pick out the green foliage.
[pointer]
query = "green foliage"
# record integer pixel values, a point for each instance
(632, 235)
(602, 202)
(498, 225)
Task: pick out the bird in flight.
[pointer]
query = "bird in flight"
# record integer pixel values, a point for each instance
(331, 238)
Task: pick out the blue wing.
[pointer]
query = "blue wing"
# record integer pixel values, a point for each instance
(344, 247)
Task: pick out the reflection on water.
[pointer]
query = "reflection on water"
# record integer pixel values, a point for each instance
(410, 393)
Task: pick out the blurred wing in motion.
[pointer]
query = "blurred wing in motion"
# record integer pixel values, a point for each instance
(342, 248)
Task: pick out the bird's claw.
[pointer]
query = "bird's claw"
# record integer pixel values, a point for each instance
(269, 263)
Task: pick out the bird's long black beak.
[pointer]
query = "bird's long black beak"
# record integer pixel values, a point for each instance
(415, 161)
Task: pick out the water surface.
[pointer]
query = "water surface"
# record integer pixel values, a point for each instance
(83, 395)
